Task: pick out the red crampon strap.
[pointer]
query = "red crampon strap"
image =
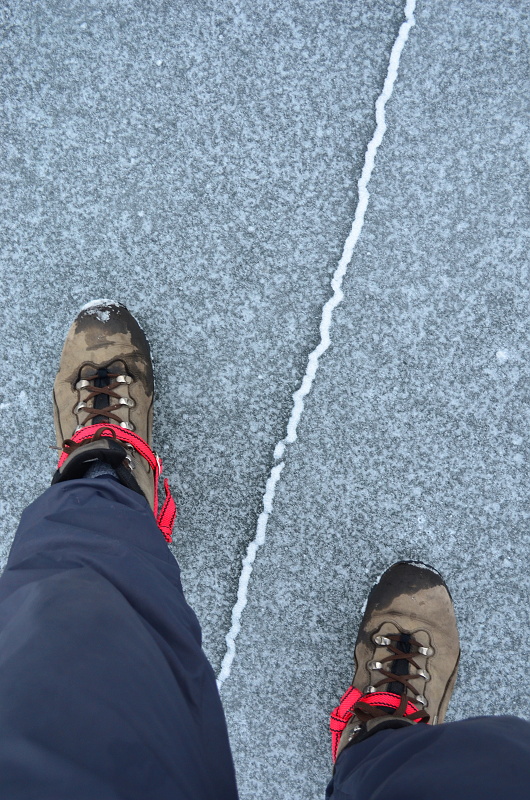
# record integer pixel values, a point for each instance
(166, 517)
(341, 715)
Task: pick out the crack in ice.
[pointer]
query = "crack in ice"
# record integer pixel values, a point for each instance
(325, 341)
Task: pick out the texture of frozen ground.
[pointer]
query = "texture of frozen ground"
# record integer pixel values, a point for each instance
(200, 163)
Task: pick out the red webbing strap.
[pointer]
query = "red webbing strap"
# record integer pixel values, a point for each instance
(168, 512)
(166, 518)
(341, 715)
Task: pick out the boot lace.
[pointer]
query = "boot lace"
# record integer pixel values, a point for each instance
(101, 388)
(403, 651)
(71, 445)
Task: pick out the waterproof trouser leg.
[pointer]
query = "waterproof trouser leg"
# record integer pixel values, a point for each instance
(105, 692)
(483, 757)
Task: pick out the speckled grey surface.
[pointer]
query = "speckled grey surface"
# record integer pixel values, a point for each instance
(199, 162)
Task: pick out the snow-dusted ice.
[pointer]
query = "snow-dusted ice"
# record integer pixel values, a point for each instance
(204, 165)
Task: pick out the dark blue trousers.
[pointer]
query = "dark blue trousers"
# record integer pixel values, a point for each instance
(105, 692)
(487, 758)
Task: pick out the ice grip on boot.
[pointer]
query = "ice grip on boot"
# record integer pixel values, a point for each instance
(341, 715)
(165, 518)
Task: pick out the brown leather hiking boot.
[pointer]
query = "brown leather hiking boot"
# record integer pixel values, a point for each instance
(406, 657)
(105, 376)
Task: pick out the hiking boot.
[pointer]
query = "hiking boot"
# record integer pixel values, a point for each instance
(406, 657)
(105, 378)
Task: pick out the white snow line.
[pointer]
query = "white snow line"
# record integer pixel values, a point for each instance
(246, 572)
(325, 341)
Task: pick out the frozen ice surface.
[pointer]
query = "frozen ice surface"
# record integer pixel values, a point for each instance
(200, 163)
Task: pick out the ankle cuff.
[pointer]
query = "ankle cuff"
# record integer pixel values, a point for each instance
(381, 724)
(367, 729)
(106, 450)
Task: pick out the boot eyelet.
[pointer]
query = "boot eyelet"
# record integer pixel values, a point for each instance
(426, 651)
(126, 401)
(123, 379)
(424, 674)
(381, 640)
(127, 425)
(79, 407)
(369, 689)
(375, 665)
(420, 699)
(82, 384)
(355, 730)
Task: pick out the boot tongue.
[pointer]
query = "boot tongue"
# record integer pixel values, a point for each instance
(101, 400)
(400, 666)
